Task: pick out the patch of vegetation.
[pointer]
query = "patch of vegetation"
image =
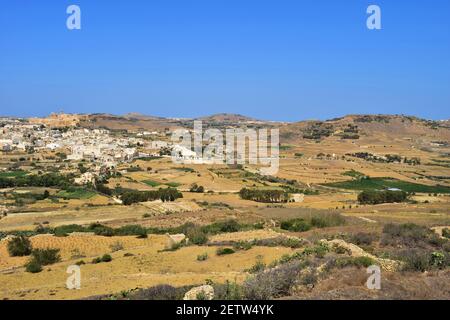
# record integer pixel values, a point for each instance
(446, 233)
(151, 183)
(374, 184)
(273, 283)
(362, 238)
(259, 265)
(224, 251)
(173, 184)
(33, 266)
(378, 197)
(46, 257)
(264, 195)
(104, 258)
(13, 174)
(185, 169)
(316, 221)
(42, 180)
(196, 188)
(202, 257)
(166, 195)
(75, 193)
(296, 225)
(354, 174)
(19, 246)
(354, 261)
(410, 234)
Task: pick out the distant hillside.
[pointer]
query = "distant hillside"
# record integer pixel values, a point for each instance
(369, 129)
(228, 118)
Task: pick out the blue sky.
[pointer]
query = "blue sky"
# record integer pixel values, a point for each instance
(270, 59)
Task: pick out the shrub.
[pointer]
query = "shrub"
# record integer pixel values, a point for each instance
(280, 242)
(224, 251)
(355, 261)
(243, 245)
(415, 260)
(362, 238)
(202, 257)
(409, 234)
(19, 246)
(327, 220)
(196, 236)
(438, 259)
(46, 256)
(101, 230)
(227, 291)
(258, 266)
(106, 258)
(273, 283)
(295, 225)
(446, 233)
(33, 266)
(160, 292)
(131, 230)
(96, 260)
(116, 246)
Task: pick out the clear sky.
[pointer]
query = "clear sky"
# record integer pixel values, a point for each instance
(270, 59)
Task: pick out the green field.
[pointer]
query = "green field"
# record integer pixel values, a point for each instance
(384, 183)
(152, 183)
(173, 184)
(13, 174)
(76, 193)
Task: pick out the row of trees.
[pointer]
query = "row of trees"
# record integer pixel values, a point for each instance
(267, 196)
(166, 195)
(44, 180)
(377, 197)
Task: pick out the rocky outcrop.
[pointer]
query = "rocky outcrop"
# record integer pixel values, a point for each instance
(205, 292)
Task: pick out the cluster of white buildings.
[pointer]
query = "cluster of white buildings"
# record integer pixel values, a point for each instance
(97, 145)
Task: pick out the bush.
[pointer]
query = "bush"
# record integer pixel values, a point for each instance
(280, 242)
(295, 225)
(33, 266)
(327, 220)
(362, 238)
(355, 261)
(202, 257)
(415, 260)
(116, 246)
(258, 266)
(162, 292)
(273, 283)
(19, 246)
(106, 258)
(446, 233)
(243, 245)
(227, 291)
(131, 230)
(46, 256)
(196, 236)
(224, 251)
(101, 230)
(409, 234)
